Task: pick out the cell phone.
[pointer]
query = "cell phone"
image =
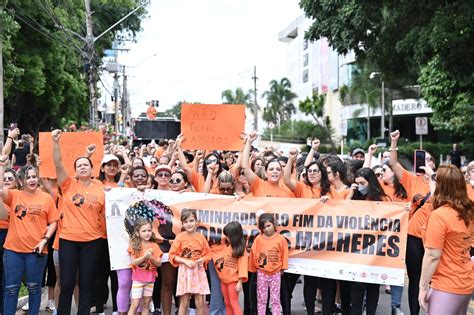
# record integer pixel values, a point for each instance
(420, 160)
(13, 126)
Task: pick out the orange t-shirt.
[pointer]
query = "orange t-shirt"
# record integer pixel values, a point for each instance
(197, 180)
(159, 152)
(341, 194)
(151, 112)
(30, 216)
(305, 191)
(414, 185)
(191, 247)
(389, 190)
(147, 265)
(470, 194)
(230, 269)
(447, 232)
(83, 211)
(262, 188)
(269, 255)
(4, 222)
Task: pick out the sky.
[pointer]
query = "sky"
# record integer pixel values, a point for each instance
(192, 50)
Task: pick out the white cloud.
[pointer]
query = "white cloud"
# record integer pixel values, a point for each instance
(202, 47)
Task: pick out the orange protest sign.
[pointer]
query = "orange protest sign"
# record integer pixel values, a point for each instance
(73, 145)
(212, 127)
(361, 241)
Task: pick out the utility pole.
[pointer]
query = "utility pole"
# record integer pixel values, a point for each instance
(92, 66)
(125, 105)
(116, 109)
(255, 108)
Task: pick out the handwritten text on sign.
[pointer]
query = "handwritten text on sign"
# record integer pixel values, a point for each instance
(212, 127)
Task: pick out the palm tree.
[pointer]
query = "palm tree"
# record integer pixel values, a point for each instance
(280, 105)
(314, 107)
(239, 97)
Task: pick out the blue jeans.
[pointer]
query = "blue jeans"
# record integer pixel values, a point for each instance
(396, 295)
(3, 236)
(217, 306)
(19, 264)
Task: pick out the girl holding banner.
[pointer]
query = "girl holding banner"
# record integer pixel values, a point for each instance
(366, 187)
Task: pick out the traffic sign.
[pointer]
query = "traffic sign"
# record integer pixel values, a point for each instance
(421, 125)
(343, 128)
(271, 125)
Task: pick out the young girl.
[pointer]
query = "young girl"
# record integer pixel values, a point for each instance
(190, 251)
(231, 264)
(145, 257)
(268, 257)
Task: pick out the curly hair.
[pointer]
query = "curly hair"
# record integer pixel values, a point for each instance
(135, 240)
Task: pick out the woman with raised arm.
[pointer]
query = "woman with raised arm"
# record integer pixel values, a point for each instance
(418, 192)
(313, 152)
(446, 281)
(83, 201)
(32, 222)
(314, 186)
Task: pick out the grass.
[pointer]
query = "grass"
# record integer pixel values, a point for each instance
(23, 291)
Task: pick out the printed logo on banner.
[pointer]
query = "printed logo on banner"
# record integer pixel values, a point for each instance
(324, 240)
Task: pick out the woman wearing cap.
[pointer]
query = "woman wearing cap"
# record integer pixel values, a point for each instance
(447, 280)
(83, 202)
(110, 176)
(32, 222)
(162, 177)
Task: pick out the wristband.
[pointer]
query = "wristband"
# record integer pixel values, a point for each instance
(121, 184)
(393, 149)
(10, 137)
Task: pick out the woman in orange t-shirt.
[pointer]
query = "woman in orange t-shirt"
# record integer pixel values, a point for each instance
(32, 222)
(314, 186)
(418, 191)
(270, 187)
(82, 229)
(447, 280)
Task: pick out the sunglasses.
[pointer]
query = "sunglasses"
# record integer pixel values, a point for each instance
(175, 180)
(9, 178)
(226, 189)
(163, 174)
(210, 161)
(313, 171)
(379, 175)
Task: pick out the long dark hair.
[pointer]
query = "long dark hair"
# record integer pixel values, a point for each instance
(337, 166)
(235, 235)
(325, 184)
(451, 190)
(374, 190)
(204, 166)
(400, 191)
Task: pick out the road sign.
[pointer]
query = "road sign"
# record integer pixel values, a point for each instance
(421, 125)
(271, 125)
(343, 128)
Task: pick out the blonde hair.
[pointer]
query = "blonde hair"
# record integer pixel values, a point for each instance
(135, 240)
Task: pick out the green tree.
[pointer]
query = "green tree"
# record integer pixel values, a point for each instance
(406, 40)
(45, 62)
(314, 107)
(280, 105)
(174, 111)
(295, 131)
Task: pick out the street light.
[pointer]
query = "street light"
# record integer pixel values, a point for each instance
(382, 116)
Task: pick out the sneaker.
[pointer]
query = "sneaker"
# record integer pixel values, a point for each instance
(50, 306)
(25, 307)
(192, 311)
(396, 311)
(55, 312)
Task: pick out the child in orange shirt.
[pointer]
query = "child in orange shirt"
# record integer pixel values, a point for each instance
(268, 257)
(231, 264)
(146, 257)
(190, 251)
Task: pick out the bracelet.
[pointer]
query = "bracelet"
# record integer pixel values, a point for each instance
(393, 149)
(10, 137)
(121, 184)
(46, 238)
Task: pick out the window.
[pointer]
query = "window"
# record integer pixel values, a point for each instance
(305, 44)
(305, 60)
(305, 75)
